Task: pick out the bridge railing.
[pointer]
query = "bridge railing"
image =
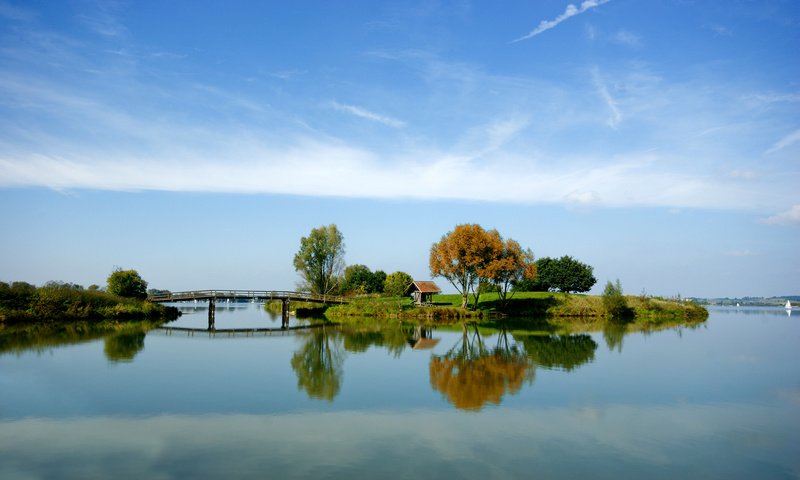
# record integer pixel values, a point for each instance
(248, 294)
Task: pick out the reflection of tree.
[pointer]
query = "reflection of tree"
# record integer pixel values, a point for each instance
(318, 365)
(395, 340)
(471, 374)
(565, 352)
(613, 333)
(124, 346)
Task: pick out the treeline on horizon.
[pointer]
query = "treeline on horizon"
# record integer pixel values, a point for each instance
(122, 299)
(473, 260)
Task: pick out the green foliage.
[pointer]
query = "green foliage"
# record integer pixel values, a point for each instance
(563, 274)
(127, 283)
(359, 280)
(320, 260)
(614, 302)
(24, 303)
(396, 283)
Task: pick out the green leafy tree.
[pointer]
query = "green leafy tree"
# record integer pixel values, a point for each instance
(360, 279)
(564, 274)
(127, 283)
(320, 260)
(614, 302)
(396, 283)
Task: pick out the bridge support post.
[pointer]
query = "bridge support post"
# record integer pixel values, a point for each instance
(211, 308)
(285, 313)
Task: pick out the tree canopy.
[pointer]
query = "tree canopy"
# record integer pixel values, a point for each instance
(360, 279)
(510, 265)
(469, 255)
(320, 260)
(564, 274)
(396, 283)
(127, 283)
(461, 255)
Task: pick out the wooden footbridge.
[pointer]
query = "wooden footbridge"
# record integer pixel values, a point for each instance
(213, 296)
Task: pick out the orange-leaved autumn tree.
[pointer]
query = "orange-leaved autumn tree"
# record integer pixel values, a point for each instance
(510, 265)
(462, 255)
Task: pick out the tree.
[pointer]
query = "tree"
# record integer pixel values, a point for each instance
(564, 274)
(461, 255)
(320, 260)
(127, 283)
(614, 302)
(360, 279)
(510, 266)
(396, 283)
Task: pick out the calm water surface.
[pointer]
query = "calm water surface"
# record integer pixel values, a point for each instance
(718, 401)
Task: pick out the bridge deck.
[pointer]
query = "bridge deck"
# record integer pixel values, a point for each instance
(258, 295)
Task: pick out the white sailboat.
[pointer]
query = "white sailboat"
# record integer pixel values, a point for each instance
(788, 305)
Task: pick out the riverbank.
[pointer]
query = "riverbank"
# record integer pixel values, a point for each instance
(21, 305)
(556, 307)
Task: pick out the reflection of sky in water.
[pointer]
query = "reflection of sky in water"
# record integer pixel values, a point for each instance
(720, 400)
(721, 441)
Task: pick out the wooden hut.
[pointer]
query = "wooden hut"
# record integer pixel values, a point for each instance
(423, 291)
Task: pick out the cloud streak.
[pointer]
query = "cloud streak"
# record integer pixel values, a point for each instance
(570, 12)
(602, 91)
(367, 115)
(786, 141)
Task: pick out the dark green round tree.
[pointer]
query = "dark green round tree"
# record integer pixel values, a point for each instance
(127, 283)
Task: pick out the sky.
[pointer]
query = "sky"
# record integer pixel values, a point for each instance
(198, 141)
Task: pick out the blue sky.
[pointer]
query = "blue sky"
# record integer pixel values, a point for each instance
(197, 141)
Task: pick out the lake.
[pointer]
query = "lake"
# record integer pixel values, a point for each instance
(721, 400)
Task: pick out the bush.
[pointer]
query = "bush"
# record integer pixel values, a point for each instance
(614, 302)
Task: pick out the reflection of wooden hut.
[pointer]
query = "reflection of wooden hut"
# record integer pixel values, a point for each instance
(423, 291)
(421, 340)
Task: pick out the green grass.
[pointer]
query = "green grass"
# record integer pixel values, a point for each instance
(559, 309)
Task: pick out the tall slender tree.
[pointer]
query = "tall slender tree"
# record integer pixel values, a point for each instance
(320, 260)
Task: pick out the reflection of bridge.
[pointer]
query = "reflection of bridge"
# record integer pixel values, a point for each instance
(237, 332)
(212, 296)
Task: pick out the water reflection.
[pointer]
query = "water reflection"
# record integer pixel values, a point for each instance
(122, 340)
(124, 346)
(562, 352)
(318, 364)
(471, 374)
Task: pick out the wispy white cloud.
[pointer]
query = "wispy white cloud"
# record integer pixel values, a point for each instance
(366, 114)
(103, 18)
(786, 141)
(629, 39)
(602, 91)
(789, 217)
(570, 11)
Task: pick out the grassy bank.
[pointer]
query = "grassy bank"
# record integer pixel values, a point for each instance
(557, 307)
(21, 305)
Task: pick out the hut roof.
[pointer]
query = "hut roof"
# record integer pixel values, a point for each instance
(423, 287)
